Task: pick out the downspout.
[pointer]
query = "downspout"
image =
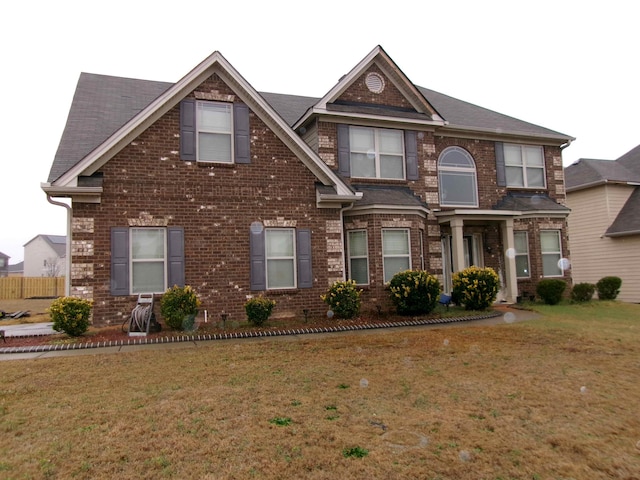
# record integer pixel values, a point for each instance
(67, 263)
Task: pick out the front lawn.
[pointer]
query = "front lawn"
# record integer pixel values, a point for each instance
(552, 398)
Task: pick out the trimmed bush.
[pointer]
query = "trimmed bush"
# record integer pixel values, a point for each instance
(70, 315)
(551, 290)
(476, 288)
(414, 292)
(608, 288)
(343, 299)
(582, 292)
(259, 309)
(179, 307)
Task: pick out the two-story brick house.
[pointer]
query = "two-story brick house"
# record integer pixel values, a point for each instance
(209, 183)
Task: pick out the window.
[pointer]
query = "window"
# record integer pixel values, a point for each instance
(376, 153)
(280, 256)
(551, 253)
(214, 132)
(146, 260)
(524, 166)
(395, 252)
(457, 178)
(214, 125)
(522, 254)
(148, 253)
(357, 246)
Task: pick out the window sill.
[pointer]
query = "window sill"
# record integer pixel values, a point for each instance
(216, 164)
(282, 291)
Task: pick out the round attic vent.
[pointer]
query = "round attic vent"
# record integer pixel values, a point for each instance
(374, 82)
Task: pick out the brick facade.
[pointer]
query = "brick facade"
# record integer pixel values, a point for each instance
(147, 184)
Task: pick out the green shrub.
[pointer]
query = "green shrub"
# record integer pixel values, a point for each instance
(343, 299)
(551, 290)
(582, 292)
(608, 287)
(414, 292)
(70, 315)
(476, 288)
(259, 309)
(179, 307)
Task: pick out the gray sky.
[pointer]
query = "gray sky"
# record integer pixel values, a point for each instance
(567, 65)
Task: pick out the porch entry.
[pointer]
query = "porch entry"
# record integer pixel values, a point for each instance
(472, 247)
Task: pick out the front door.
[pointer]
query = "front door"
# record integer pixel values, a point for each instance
(472, 256)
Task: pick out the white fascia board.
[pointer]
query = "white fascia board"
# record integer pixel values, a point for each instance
(496, 133)
(360, 116)
(386, 209)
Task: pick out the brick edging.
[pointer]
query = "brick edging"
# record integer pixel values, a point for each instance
(237, 335)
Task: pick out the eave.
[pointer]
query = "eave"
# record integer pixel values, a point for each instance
(76, 194)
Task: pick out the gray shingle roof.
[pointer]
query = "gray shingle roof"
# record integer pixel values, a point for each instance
(628, 220)
(388, 195)
(103, 103)
(589, 171)
(631, 160)
(529, 202)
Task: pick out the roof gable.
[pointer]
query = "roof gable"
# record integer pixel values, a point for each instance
(628, 221)
(65, 175)
(631, 160)
(353, 90)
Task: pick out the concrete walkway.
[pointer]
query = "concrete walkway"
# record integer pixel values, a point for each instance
(501, 315)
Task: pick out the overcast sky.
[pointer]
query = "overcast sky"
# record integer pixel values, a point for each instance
(571, 66)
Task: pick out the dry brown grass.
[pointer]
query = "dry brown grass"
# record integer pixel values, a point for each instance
(555, 398)
(37, 308)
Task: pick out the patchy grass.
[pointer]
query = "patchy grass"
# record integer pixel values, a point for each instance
(554, 398)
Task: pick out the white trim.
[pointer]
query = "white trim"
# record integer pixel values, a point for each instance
(408, 255)
(154, 260)
(293, 258)
(559, 252)
(366, 256)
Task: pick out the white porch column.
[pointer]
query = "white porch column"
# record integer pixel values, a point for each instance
(511, 282)
(457, 244)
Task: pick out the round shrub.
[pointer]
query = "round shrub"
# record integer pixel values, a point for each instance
(343, 298)
(608, 287)
(179, 307)
(414, 292)
(582, 292)
(476, 288)
(70, 315)
(259, 310)
(551, 290)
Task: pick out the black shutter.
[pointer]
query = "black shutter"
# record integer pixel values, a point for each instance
(119, 261)
(175, 256)
(411, 154)
(258, 280)
(303, 252)
(344, 152)
(241, 133)
(188, 130)
(501, 176)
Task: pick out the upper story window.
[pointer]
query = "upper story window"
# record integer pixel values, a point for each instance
(376, 153)
(214, 132)
(457, 180)
(214, 123)
(524, 166)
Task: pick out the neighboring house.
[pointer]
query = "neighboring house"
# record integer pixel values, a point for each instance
(45, 256)
(239, 193)
(4, 264)
(16, 270)
(604, 197)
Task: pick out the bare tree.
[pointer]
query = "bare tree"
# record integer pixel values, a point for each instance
(52, 267)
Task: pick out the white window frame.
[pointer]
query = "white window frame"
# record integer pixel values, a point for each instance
(133, 261)
(385, 256)
(521, 254)
(202, 129)
(291, 257)
(446, 170)
(377, 153)
(557, 253)
(358, 257)
(524, 166)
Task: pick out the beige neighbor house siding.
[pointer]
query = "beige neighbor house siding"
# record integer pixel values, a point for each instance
(593, 255)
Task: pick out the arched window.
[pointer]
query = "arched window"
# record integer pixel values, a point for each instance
(457, 181)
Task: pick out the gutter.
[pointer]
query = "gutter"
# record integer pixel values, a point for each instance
(67, 266)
